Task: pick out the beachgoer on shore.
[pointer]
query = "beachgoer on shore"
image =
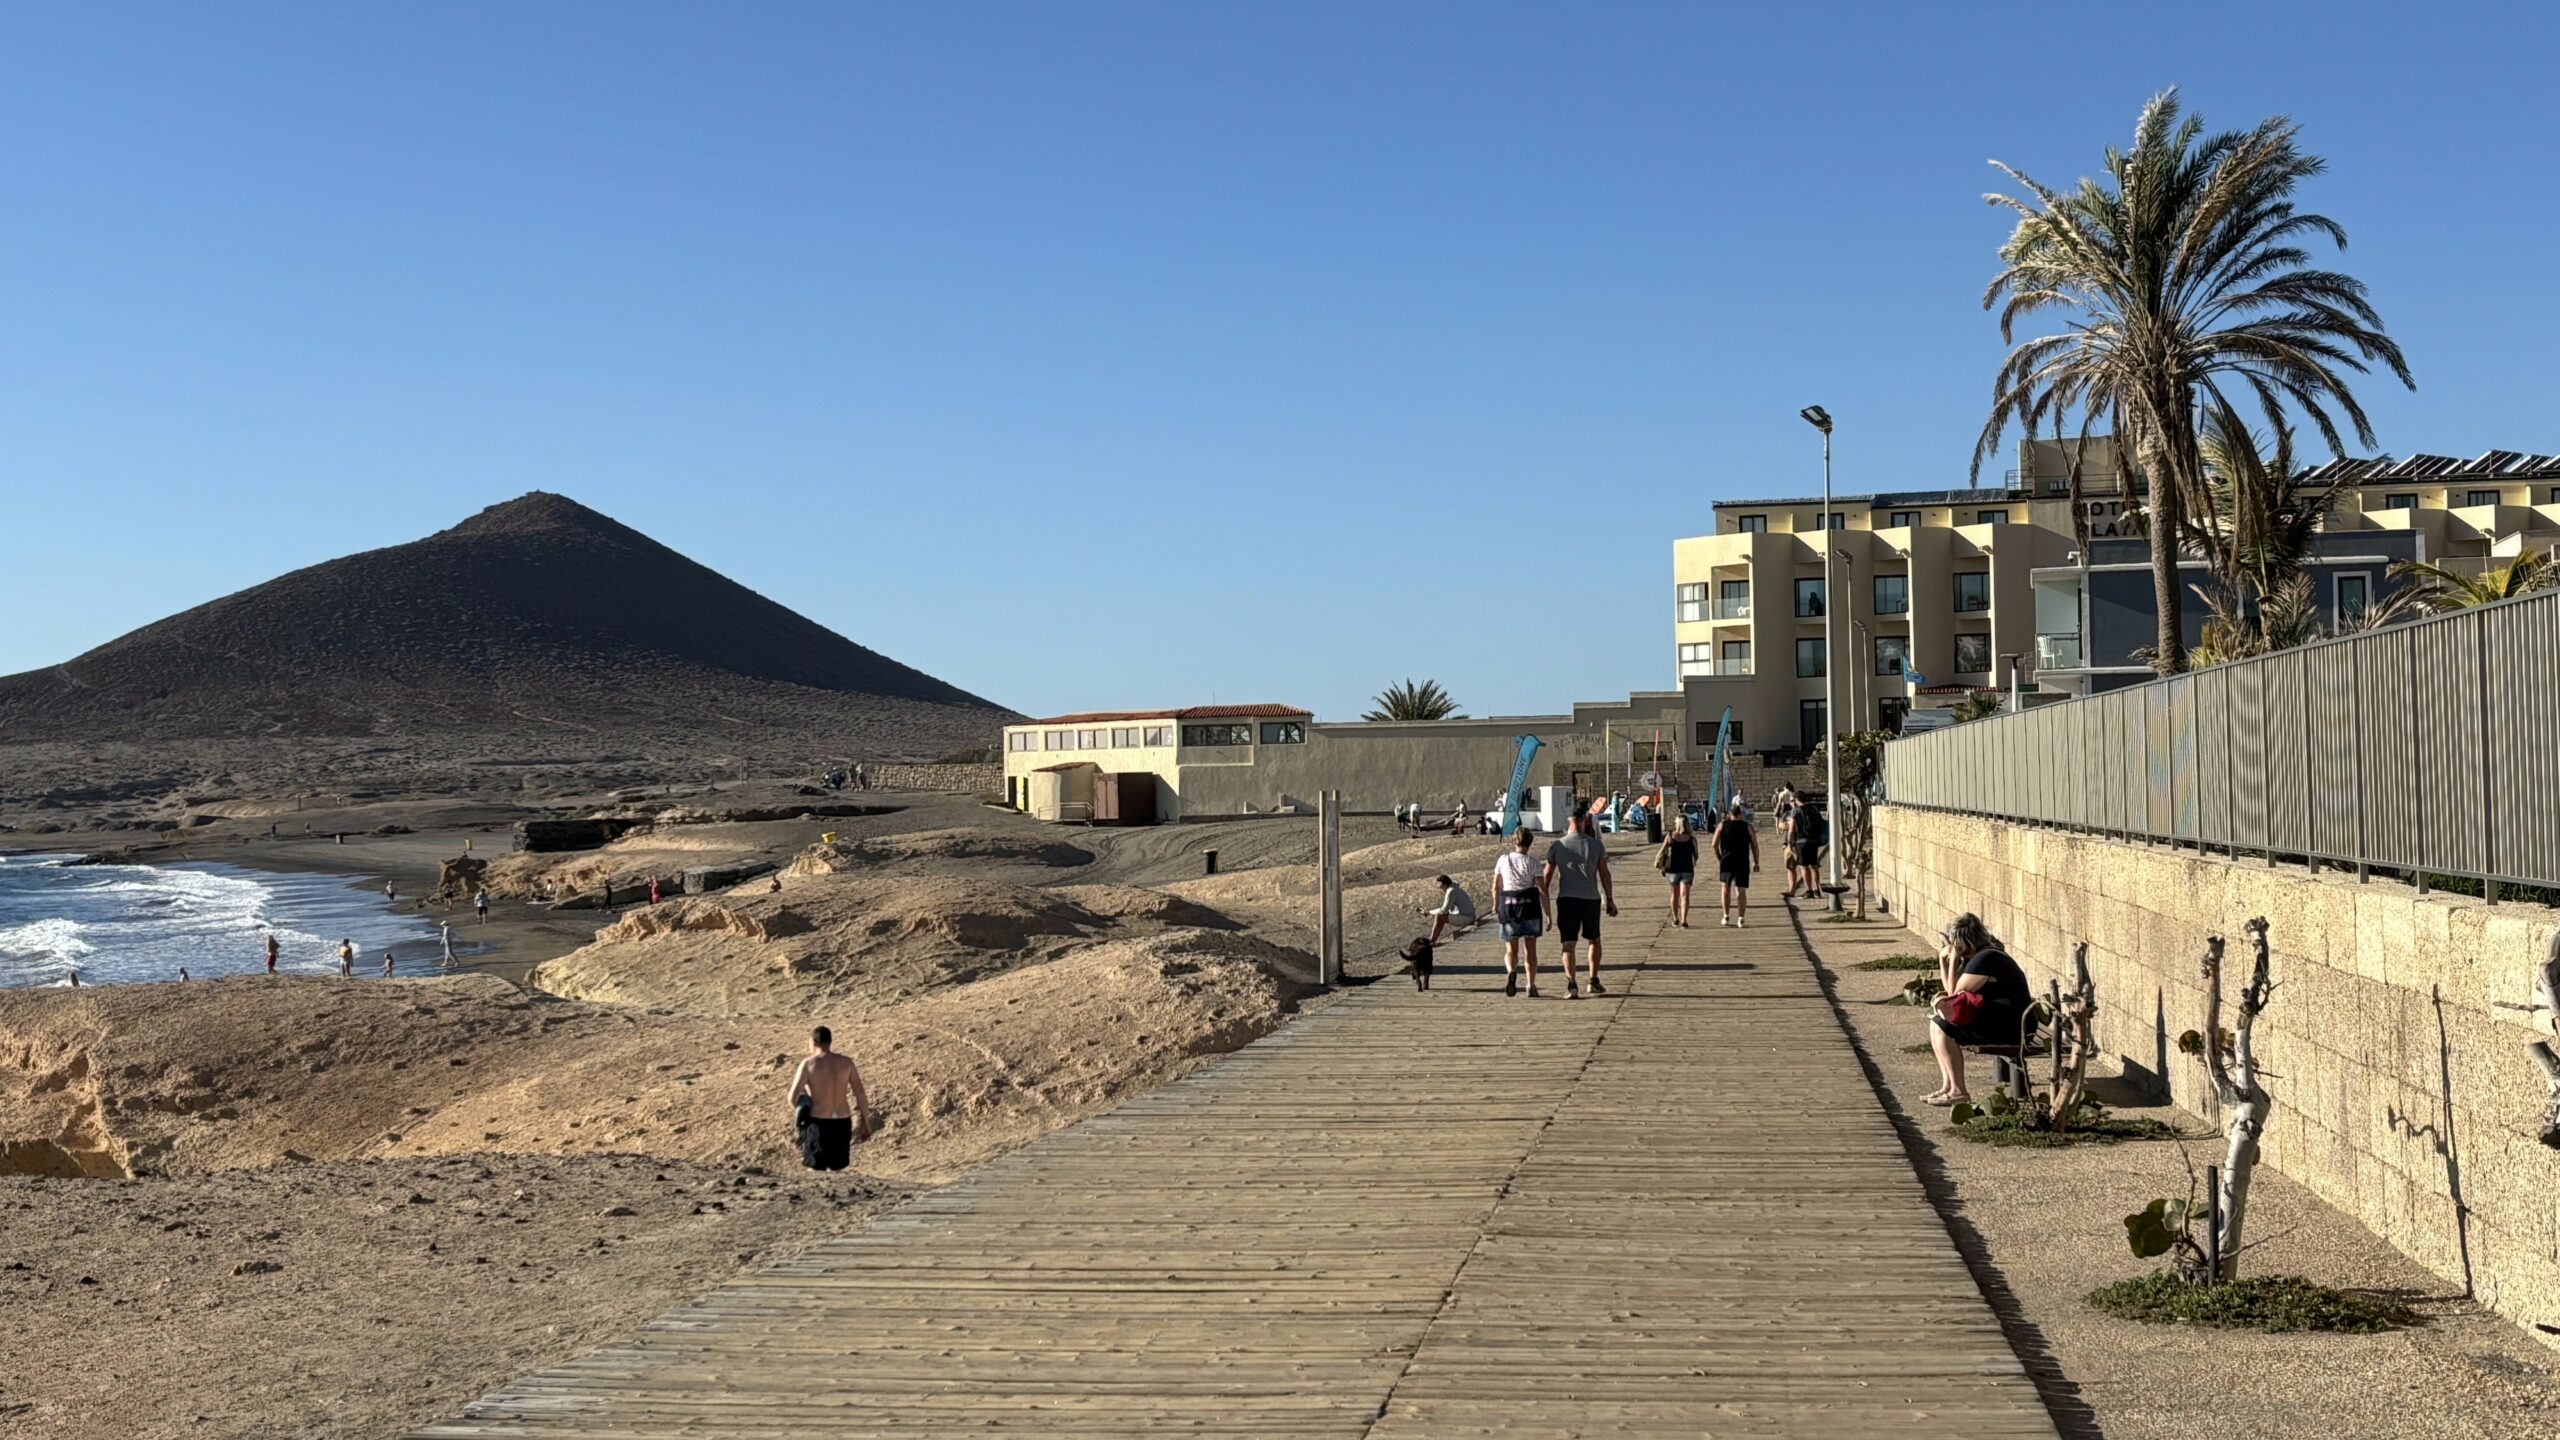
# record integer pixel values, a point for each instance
(1578, 874)
(1456, 907)
(831, 1111)
(75, 977)
(444, 932)
(386, 962)
(1520, 903)
(1737, 847)
(480, 902)
(182, 974)
(346, 959)
(272, 948)
(653, 892)
(1678, 862)
(388, 895)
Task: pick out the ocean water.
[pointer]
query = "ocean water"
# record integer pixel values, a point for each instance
(120, 924)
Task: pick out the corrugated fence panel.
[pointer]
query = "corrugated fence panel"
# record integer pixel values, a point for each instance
(2182, 757)
(2453, 777)
(2213, 756)
(2386, 748)
(2524, 738)
(2288, 803)
(2329, 674)
(2433, 745)
(2248, 727)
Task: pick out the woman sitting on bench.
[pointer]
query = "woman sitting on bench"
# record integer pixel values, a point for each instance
(1985, 1002)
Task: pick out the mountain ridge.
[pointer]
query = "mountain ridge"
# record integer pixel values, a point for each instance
(536, 611)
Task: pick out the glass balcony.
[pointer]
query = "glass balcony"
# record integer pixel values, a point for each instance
(1733, 609)
(2058, 652)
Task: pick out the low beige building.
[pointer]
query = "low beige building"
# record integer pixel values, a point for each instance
(1215, 760)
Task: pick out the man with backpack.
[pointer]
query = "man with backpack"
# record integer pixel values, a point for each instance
(1806, 835)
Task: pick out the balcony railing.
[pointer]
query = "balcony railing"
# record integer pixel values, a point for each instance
(1710, 669)
(1733, 609)
(2058, 652)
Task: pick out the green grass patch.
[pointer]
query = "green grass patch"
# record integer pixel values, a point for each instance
(1899, 962)
(2264, 1302)
(2012, 1123)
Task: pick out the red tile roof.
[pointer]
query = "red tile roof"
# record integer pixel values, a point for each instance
(1195, 712)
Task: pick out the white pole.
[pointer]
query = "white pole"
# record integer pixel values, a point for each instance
(1830, 682)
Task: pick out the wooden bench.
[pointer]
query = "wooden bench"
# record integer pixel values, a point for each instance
(2009, 1066)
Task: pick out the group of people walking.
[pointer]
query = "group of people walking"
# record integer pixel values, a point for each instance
(1572, 887)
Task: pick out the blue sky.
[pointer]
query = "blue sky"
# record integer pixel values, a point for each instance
(1103, 354)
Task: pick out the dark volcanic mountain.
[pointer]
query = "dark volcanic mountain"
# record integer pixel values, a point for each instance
(538, 616)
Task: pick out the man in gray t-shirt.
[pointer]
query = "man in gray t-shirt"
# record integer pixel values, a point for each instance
(1578, 882)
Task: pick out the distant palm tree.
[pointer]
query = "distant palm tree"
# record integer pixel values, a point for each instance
(1411, 701)
(2184, 280)
(2435, 589)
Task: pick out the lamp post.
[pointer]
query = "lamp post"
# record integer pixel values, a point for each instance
(1820, 419)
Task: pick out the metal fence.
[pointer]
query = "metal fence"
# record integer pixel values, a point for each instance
(2431, 747)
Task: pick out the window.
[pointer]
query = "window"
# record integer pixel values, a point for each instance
(1893, 594)
(2554, 497)
(2399, 502)
(1905, 519)
(2355, 595)
(1159, 734)
(1990, 517)
(1891, 650)
(1832, 520)
(1124, 737)
(2482, 497)
(1808, 659)
(1733, 600)
(1973, 654)
(1808, 599)
(1750, 524)
(1091, 739)
(1217, 734)
(1813, 724)
(1062, 739)
(1707, 735)
(1693, 601)
(1736, 659)
(1284, 732)
(1973, 590)
(1697, 660)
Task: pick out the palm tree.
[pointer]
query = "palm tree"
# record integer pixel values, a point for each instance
(2435, 589)
(1411, 701)
(2184, 279)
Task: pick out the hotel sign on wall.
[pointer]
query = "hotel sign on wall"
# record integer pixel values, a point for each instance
(2108, 520)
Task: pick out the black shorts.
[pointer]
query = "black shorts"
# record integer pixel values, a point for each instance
(1993, 1026)
(1805, 854)
(826, 1144)
(1577, 919)
(1739, 878)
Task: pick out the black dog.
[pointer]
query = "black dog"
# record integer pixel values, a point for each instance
(1417, 962)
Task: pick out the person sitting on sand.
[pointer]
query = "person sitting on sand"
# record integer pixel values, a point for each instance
(834, 1111)
(1456, 907)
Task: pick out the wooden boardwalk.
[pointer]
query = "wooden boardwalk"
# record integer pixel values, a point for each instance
(1675, 1211)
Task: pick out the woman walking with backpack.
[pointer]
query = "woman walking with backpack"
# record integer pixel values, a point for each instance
(1520, 903)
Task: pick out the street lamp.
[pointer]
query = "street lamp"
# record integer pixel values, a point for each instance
(1820, 419)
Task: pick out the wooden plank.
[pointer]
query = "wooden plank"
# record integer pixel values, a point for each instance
(1676, 1210)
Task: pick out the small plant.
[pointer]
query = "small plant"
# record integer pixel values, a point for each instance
(1922, 990)
(2281, 1303)
(2006, 1121)
(1899, 962)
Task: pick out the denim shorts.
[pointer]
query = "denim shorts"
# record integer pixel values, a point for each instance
(1680, 877)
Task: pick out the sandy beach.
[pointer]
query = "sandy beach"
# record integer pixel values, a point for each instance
(396, 1194)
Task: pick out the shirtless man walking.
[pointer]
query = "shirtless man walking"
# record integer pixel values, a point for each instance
(838, 1113)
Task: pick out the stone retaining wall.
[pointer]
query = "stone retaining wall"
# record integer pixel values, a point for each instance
(985, 780)
(2401, 1095)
